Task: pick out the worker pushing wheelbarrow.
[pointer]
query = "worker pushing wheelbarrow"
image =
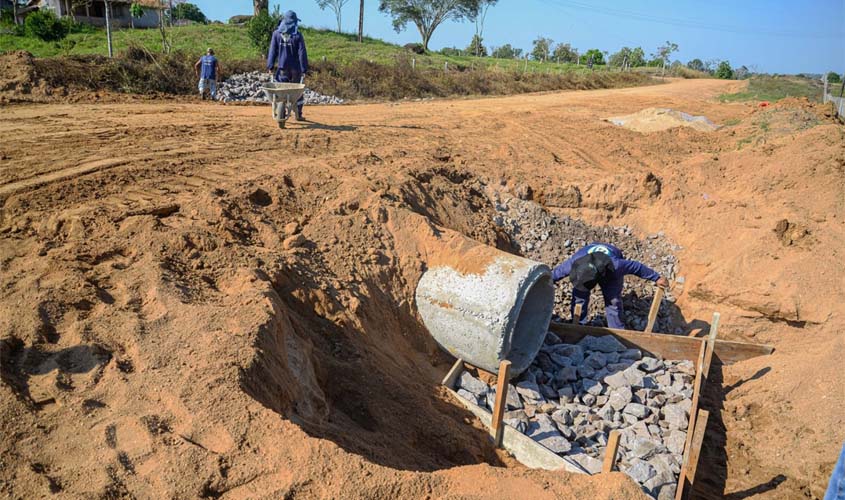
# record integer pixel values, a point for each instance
(287, 61)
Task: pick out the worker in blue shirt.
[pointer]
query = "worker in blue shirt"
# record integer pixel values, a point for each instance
(602, 264)
(287, 59)
(207, 69)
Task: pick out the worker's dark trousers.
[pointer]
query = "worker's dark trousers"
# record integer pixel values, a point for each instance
(612, 307)
(291, 76)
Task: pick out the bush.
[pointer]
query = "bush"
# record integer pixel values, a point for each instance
(724, 71)
(45, 25)
(833, 77)
(239, 19)
(416, 48)
(260, 29)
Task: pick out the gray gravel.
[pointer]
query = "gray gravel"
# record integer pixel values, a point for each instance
(539, 235)
(246, 87)
(572, 396)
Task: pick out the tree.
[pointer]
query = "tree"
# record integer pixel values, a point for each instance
(506, 52)
(45, 25)
(260, 28)
(564, 53)
(696, 65)
(724, 71)
(427, 15)
(188, 12)
(136, 11)
(541, 49)
(476, 47)
(361, 22)
(664, 52)
(598, 57)
(336, 6)
(833, 77)
(259, 5)
(478, 18)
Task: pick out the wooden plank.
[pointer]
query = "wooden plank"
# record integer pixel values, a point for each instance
(455, 372)
(711, 344)
(528, 452)
(655, 307)
(697, 388)
(576, 316)
(686, 480)
(668, 346)
(610, 451)
(501, 401)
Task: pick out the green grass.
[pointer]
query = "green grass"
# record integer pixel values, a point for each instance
(231, 43)
(770, 88)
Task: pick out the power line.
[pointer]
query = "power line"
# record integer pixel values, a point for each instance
(686, 23)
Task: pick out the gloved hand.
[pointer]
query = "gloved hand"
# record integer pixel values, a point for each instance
(662, 282)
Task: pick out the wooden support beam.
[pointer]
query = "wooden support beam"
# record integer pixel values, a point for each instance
(711, 344)
(454, 373)
(655, 307)
(501, 402)
(668, 346)
(697, 388)
(686, 480)
(576, 316)
(610, 451)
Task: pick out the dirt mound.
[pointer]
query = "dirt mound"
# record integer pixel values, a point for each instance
(17, 73)
(657, 119)
(196, 304)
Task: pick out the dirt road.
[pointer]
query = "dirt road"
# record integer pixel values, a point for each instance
(166, 332)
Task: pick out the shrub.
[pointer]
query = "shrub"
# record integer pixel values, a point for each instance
(260, 29)
(239, 19)
(724, 71)
(416, 48)
(833, 77)
(45, 25)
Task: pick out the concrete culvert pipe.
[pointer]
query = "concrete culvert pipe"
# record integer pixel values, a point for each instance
(484, 305)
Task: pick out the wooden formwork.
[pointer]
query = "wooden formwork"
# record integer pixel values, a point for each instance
(701, 351)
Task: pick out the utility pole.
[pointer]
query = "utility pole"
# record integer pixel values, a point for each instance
(361, 22)
(107, 5)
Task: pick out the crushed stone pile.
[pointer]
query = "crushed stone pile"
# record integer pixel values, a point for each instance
(246, 87)
(573, 395)
(551, 239)
(657, 119)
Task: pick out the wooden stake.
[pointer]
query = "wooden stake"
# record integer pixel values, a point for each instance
(711, 343)
(687, 478)
(501, 401)
(697, 388)
(610, 452)
(655, 307)
(576, 316)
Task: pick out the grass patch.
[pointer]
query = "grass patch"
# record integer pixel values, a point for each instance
(732, 122)
(775, 88)
(231, 44)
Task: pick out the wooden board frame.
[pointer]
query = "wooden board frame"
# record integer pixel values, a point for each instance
(700, 351)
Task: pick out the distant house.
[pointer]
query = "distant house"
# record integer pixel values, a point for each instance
(94, 12)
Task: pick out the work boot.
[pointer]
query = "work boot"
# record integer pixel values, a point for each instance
(299, 116)
(202, 96)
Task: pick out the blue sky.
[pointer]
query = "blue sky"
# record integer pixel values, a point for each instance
(798, 36)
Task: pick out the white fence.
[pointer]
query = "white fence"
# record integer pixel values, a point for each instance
(838, 102)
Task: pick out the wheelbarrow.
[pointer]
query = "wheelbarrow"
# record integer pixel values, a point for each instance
(283, 97)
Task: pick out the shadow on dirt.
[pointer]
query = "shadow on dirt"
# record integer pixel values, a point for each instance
(378, 393)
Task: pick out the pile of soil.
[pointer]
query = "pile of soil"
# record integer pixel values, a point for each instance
(657, 119)
(197, 304)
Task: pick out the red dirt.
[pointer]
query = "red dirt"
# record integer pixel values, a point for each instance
(159, 340)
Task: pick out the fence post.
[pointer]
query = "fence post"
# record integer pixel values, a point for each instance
(413, 63)
(446, 66)
(824, 96)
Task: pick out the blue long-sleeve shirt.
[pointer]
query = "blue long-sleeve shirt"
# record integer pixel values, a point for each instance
(621, 267)
(290, 55)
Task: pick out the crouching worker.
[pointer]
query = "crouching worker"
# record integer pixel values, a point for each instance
(604, 265)
(288, 56)
(206, 70)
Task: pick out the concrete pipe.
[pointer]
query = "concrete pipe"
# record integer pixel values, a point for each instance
(484, 305)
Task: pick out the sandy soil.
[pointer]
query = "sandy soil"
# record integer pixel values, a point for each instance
(195, 303)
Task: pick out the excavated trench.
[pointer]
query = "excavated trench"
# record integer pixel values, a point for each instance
(348, 358)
